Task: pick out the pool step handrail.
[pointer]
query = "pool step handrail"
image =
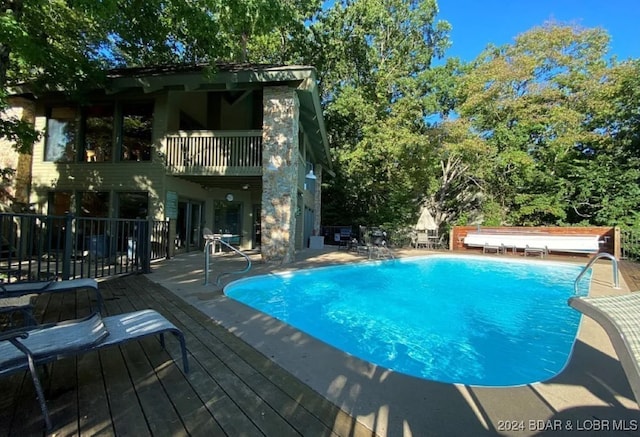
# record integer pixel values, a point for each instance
(211, 240)
(238, 272)
(596, 257)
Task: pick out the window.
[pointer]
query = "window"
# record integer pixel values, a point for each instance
(59, 205)
(98, 133)
(93, 204)
(228, 220)
(62, 131)
(59, 202)
(133, 205)
(88, 134)
(137, 121)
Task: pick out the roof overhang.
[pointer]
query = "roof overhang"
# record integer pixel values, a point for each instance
(225, 77)
(301, 78)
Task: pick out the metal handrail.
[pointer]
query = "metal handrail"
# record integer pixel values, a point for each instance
(616, 280)
(207, 254)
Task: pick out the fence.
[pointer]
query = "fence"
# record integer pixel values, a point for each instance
(43, 247)
(337, 235)
(630, 244)
(608, 237)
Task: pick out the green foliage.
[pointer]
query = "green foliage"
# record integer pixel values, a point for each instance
(492, 213)
(19, 132)
(541, 131)
(60, 43)
(148, 32)
(374, 58)
(550, 110)
(50, 44)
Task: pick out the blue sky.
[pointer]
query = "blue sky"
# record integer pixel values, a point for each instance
(477, 23)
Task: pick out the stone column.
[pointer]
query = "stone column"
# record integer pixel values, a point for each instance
(279, 174)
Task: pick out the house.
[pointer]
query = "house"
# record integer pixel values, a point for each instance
(241, 150)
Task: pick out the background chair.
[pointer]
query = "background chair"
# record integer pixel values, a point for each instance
(422, 240)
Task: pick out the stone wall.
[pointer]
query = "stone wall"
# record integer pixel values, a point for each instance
(18, 187)
(280, 174)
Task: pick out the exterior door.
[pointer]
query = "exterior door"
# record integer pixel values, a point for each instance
(189, 226)
(228, 220)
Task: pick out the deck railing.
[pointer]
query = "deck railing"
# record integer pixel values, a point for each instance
(214, 152)
(630, 243)
(44, 247)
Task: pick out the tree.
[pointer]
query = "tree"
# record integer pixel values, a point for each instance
(69, 45)
(605, 182)
(374, 58)
(535, 104)
(459, 161)
(49, 44)
(148, 32)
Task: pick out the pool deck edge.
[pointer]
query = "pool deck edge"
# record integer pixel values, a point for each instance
(591, 391)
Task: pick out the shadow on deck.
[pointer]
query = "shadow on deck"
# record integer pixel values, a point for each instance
(140, 389)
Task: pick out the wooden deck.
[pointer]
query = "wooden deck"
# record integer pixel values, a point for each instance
(140, 389)
(630, 271)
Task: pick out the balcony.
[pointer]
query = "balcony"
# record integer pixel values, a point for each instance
(214, 153)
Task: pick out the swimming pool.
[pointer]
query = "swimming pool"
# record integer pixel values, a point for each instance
(470, 320)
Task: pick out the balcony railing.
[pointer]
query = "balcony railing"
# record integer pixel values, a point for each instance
(214, 152)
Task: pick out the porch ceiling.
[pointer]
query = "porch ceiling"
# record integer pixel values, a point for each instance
(227, 182)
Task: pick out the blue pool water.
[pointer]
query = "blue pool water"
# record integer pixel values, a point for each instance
(469, 320)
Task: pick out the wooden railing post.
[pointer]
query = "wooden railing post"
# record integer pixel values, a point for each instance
(166, 235)
(68, 246)
(145, 240)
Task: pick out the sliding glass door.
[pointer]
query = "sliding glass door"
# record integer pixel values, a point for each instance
(189, 226)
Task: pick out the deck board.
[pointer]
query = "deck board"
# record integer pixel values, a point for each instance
(93, 404)
(139, 388)
(94, 414)
(126, 413)
(630, 271)
(237, 358)
(161, 416)
(261, 417)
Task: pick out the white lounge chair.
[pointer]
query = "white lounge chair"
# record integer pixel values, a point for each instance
(25, 349)
(620, 318)
(540, 251)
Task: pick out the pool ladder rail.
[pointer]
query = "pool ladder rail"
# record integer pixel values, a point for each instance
(597, 256)
(211, 240)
